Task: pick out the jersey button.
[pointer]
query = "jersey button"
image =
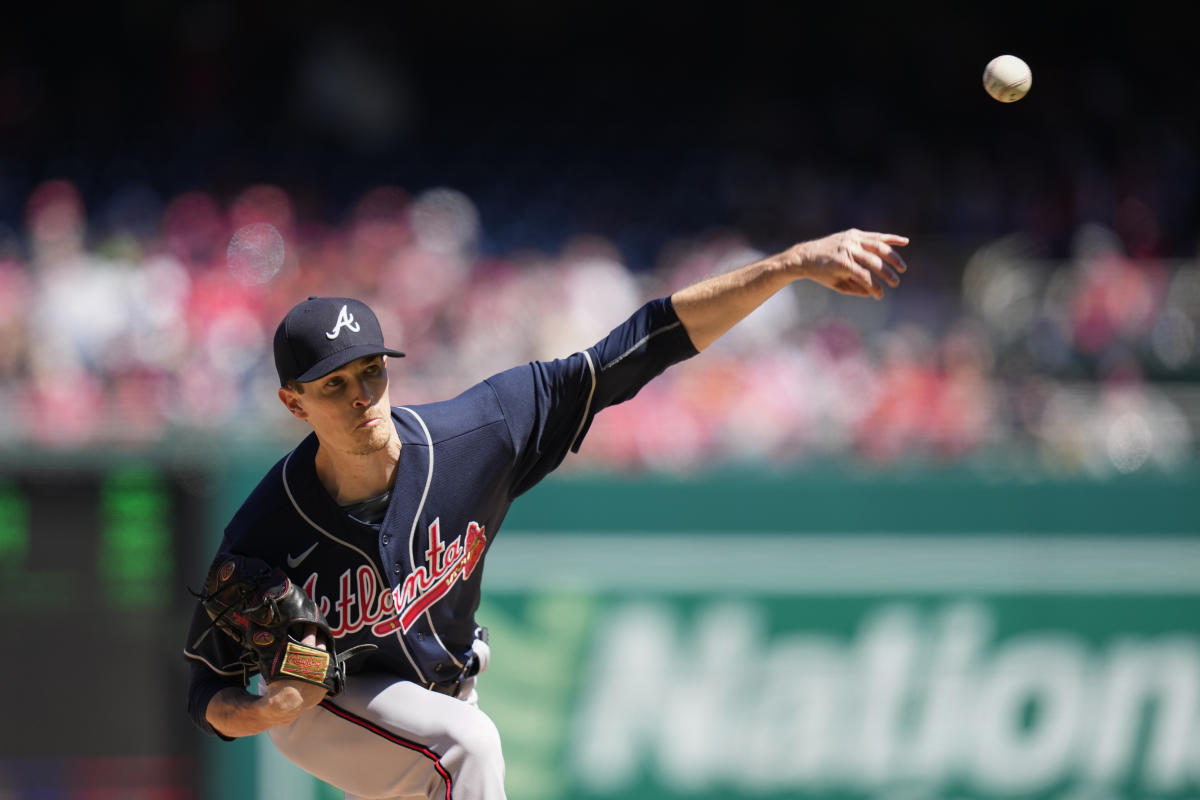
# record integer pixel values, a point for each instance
(396, 569)
(385, 539)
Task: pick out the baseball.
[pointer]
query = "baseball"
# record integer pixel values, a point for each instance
(1007, 78)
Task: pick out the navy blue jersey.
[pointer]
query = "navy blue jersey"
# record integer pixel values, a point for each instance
(411, 585)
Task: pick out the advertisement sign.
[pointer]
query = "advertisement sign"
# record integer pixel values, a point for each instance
(883, 667)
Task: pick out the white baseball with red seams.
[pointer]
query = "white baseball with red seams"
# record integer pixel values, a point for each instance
(1007, 78)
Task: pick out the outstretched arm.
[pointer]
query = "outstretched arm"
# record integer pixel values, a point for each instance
(851, 262)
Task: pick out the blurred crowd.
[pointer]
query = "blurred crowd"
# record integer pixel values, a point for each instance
(157, 333)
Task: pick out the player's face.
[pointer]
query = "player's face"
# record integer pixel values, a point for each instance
(349, 408)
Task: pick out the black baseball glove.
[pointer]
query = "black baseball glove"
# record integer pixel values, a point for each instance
(264, 612)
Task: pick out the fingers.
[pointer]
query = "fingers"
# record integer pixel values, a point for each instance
(287, 699)
(847, 286)
(875, 259)
(861, 276)
(853, 262)
(862, 268)
(879, 267)
(310, 638)
(882, 247)
(887, 238)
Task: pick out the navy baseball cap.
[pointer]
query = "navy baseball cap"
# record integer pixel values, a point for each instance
(324, 333)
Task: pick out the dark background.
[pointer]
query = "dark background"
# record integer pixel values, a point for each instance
(635, 121)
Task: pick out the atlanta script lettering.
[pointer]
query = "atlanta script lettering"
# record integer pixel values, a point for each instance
(362, 602)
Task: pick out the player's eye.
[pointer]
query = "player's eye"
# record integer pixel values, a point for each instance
(333, 383)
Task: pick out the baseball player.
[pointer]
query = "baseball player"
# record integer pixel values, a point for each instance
(384, 516)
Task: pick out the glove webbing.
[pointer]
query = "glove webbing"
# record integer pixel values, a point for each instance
(245, 588)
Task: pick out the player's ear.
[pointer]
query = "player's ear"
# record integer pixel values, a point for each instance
(291, 401)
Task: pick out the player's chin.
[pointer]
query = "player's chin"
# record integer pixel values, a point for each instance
(369, 440)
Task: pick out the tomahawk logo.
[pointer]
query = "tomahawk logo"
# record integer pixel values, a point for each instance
(345, 320)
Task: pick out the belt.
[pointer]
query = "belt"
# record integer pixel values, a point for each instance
(452, 686)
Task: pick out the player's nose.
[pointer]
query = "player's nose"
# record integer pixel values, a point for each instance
(363, 396)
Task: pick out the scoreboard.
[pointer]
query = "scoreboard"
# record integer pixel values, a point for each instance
(95, 562)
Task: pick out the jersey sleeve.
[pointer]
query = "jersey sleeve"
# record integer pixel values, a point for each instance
(549, 405)
(213, 657)
(201, 688)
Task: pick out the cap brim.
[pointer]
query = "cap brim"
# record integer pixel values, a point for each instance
(342, 357)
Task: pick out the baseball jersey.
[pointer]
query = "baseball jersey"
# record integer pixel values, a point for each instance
(410, 584)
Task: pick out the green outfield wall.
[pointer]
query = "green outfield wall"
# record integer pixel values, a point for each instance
(828, 634)
(833, 635)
